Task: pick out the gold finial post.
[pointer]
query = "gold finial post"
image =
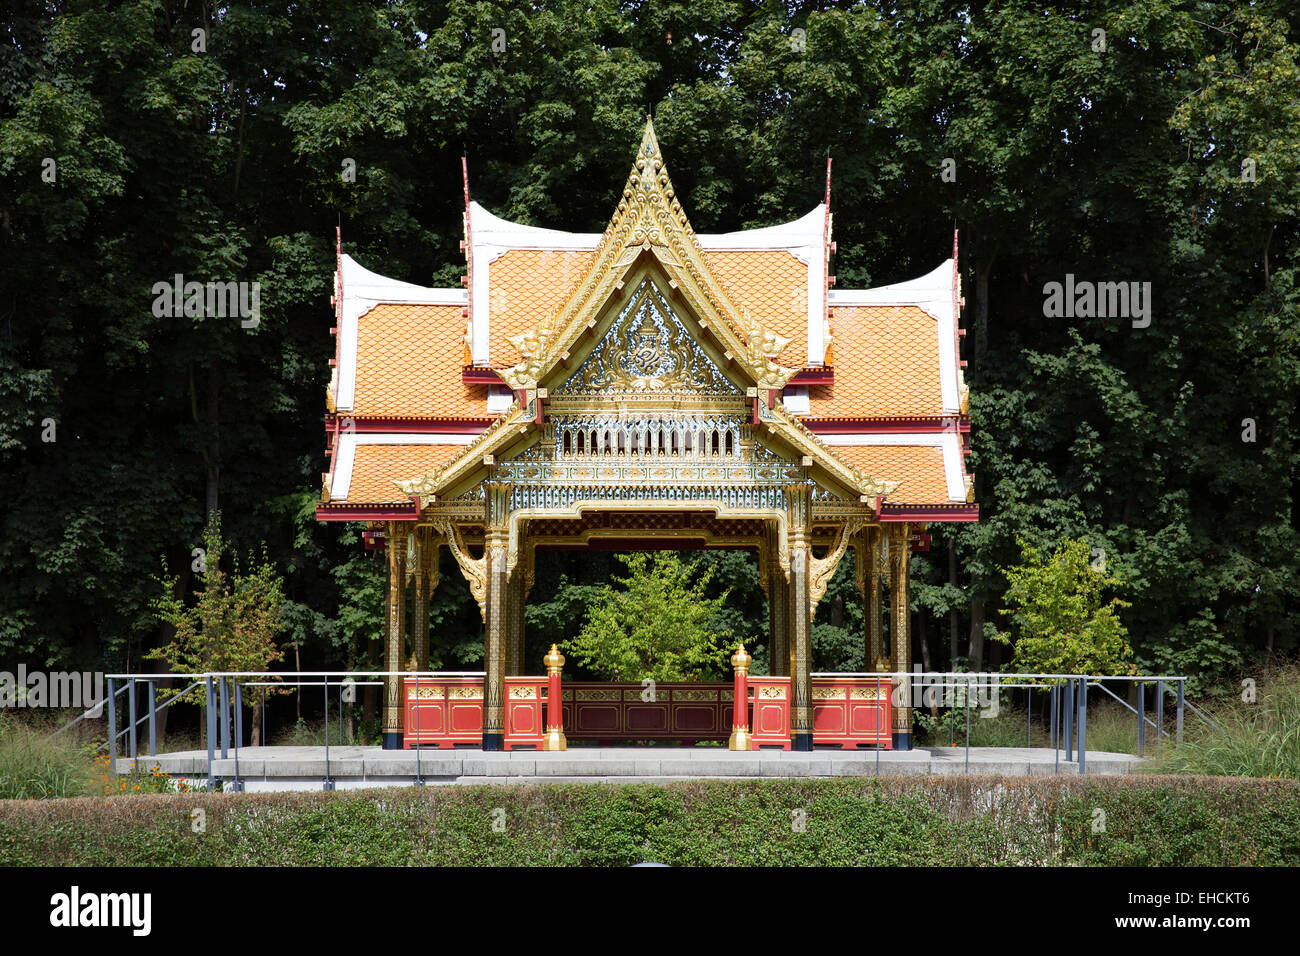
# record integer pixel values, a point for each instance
(554, 739)
(741, 738)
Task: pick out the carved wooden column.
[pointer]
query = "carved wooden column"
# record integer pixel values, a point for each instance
(425, 574)
(869, 569)
(799, 614)
(396, 637)
(900, 636)
(495, 555)
(777, 587)
(521, 582)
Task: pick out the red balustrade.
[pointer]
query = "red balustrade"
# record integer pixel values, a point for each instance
(445, 711)
(852, 711)
(770, 699)
(849, 712)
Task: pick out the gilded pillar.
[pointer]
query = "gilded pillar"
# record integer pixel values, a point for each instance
(425, 575)
(900, 630)
(869, 571)
(778, 598)
(521, 582)
(497, 604)
(799, 615)
(396, 637)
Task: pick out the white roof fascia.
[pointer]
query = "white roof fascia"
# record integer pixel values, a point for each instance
(791, 236)
(949, 441)
(362, 291)
(347, 452)
(492, 237)
(933, 295)
(803, 238)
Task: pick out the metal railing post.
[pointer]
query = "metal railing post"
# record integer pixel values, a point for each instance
(1142, 717)
(239, 713)
(238, 785)
(153, 723)
(419, 771)
(112, 727)
(130, 709)
(1051, 717)
(212, 728)
(966, 696)
(225, 718)
(1160, 710)
(1179, 716)
(1083, 725)
(329, 783)
(1068, 712)
(1029, 713)
(878, 733)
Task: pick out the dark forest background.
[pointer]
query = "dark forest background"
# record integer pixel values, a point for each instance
(1115, 164)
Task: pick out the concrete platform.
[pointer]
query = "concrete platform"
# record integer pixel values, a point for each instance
(304, 768)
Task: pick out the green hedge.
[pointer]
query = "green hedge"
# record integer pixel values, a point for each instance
(941, 820)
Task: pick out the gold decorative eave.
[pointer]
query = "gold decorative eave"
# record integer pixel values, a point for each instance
(463, 470)
(785, 426)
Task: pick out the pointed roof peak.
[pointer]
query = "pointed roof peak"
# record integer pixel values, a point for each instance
(649, 173)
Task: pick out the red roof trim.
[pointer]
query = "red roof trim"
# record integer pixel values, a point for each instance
(935, 424)
(890, 512)
(455, 426)
(350, 512)
(814, 375)
(480, 375)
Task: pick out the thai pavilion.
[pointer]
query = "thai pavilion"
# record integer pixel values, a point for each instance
(649, 387)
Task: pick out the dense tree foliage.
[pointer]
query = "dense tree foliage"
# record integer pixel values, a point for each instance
(1113, 140)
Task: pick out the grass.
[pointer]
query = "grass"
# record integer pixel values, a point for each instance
(35, 767)
(312, 734)
(1252, 739)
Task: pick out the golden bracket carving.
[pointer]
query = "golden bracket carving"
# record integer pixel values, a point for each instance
(864, 563)
(474, 570)
(821, 570)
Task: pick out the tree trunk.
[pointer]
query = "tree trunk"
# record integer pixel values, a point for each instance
(926, 665)
(984, 260)
(976, 631)
(214, 440)
(256, 740)
(370, 701)
(954, 618)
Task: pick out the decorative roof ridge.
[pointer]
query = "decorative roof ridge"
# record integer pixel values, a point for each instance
(649, 218)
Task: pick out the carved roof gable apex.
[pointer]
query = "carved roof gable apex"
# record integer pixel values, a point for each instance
(650, 219)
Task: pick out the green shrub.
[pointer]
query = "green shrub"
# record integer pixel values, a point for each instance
(929, 821)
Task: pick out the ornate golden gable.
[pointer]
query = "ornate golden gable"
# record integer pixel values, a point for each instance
(650, 219)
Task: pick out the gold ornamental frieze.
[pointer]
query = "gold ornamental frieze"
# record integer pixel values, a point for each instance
(648, 349)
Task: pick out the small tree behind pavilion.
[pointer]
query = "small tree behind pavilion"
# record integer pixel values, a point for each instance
(1061, 619)
(657, 625)
(233, 623)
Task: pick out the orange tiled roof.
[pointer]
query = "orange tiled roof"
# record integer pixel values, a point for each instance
(886, 365)
(772, 285)
(919, 468)
(526, 287)
(409, 364)
(376, 467)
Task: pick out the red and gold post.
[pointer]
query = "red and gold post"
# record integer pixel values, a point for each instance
(741, 739)
(554, 739)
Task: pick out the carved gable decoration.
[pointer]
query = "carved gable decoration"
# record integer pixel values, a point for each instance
(648, 349)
